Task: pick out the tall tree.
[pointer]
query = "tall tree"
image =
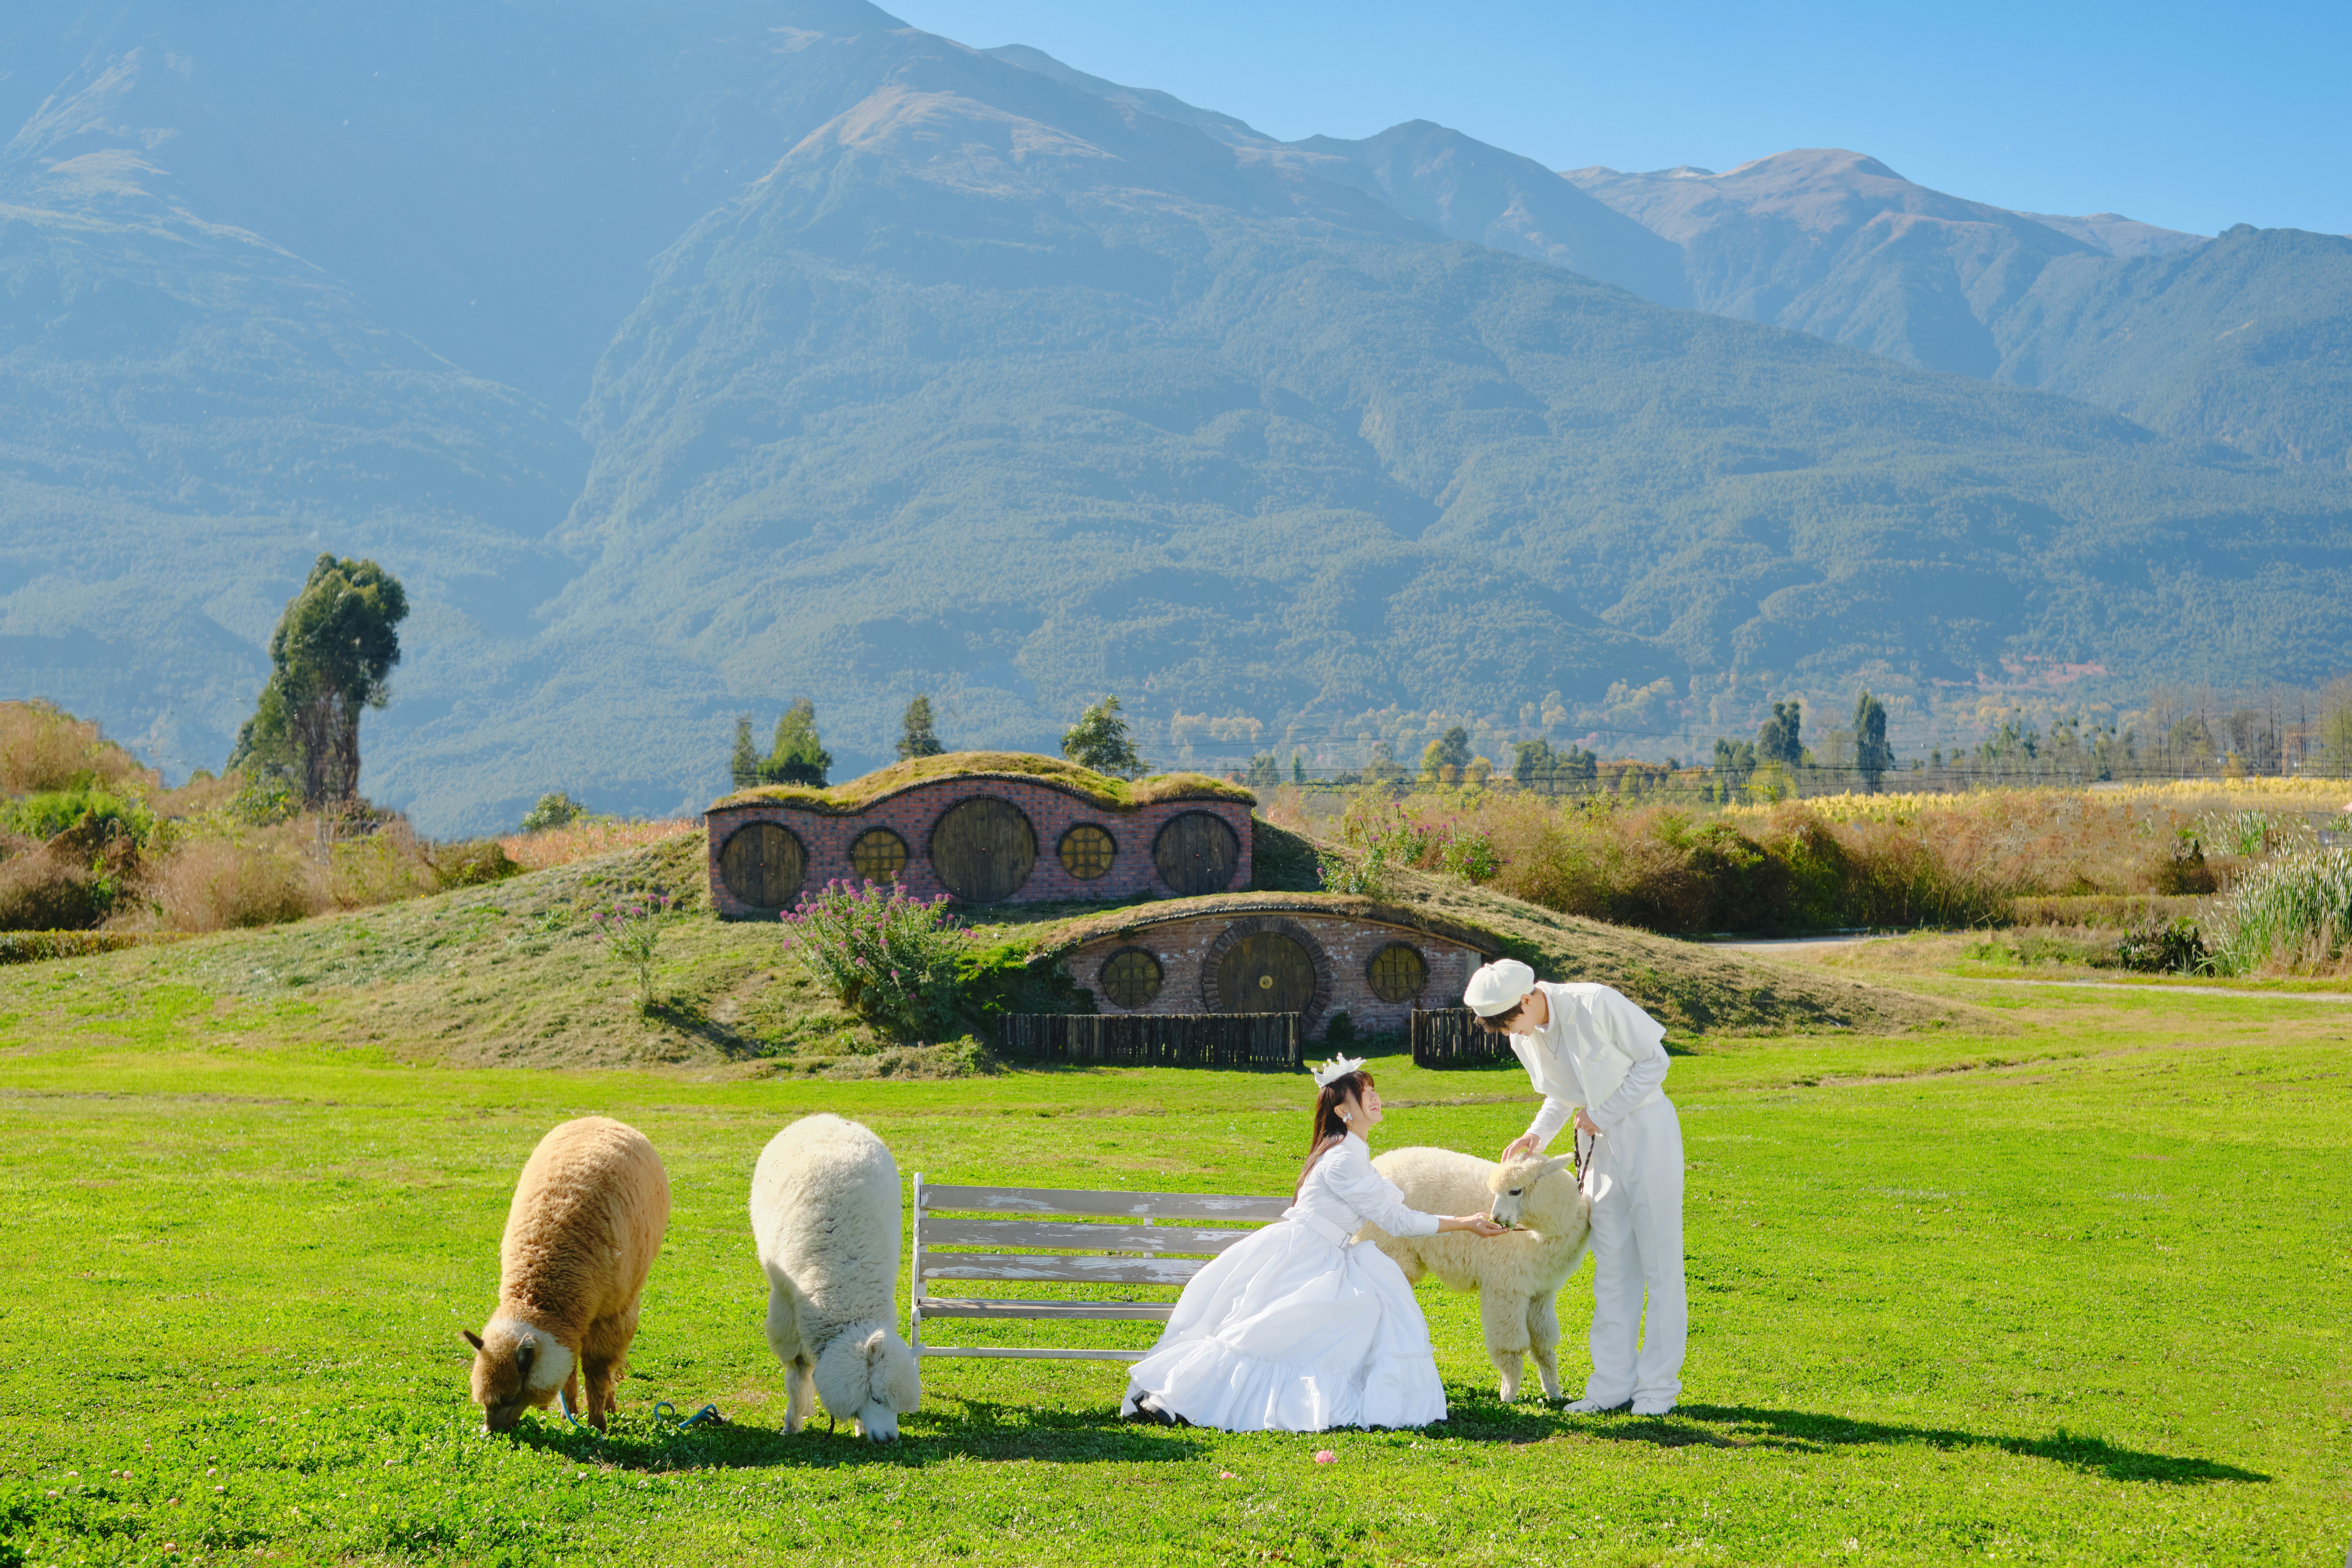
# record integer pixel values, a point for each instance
(743, 764)
(1781, 741)
(331, 659)
(1735, 762)
(916, 736)
(1100, 739)
(1872, 755)
(797, 756)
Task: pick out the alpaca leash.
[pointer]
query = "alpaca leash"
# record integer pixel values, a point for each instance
(663, 1410)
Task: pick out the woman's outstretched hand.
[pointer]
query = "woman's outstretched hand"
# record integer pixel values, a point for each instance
(1476, 1224)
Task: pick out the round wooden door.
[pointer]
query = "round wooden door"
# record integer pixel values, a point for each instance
(982, 850)
(1196, 853)
(762, 865)
(1266, 972)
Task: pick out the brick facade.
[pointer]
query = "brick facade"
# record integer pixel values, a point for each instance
(1341, 946)
(1052, 811)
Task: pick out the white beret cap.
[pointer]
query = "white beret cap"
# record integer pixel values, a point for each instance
(1499, 986)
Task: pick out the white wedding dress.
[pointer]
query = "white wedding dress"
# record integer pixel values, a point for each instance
(1297, 1329)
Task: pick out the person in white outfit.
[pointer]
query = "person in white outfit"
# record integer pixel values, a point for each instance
(1600, 1060)
(1298, 1327)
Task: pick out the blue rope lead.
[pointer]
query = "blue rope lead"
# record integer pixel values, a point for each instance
(665, 1410)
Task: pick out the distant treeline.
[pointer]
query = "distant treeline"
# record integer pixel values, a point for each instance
(2183, 732)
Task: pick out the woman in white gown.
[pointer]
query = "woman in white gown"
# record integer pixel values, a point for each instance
(1297, 1330)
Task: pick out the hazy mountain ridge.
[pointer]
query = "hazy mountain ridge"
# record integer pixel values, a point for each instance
(2119, 313)
(745, 350)
(1835, 242)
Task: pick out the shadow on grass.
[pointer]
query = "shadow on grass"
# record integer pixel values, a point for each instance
(687, 1017)
(1808, 1432)
(960, 1429)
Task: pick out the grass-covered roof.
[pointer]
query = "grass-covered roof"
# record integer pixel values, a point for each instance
(1097, 789)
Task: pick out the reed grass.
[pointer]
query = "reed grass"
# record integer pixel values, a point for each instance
(2293, 913)
(579, 839)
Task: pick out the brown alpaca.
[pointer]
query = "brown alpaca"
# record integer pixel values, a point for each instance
(585, 1223)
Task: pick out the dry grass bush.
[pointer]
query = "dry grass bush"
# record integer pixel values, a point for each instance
(1956, 860)
(200, 796)
(381, 868)
(590, 835)
(48, 890)
(42, 748)
(206, 884)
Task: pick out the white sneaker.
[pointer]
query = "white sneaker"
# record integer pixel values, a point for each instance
(1653, 1409)
(1594, 1406)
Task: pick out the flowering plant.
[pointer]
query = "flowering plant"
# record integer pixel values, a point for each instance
(631, 925)
(889, 956)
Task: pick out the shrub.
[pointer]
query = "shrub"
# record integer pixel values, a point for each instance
(473, 863)
(43, 749)
(265, 797)
(631, 924)
(49, 813)
(2184, 870)
(2295, 911)
(38, 946)
(2165, 947)
(47, 891)
(888, 956)
(382, 867)
(554, 810)
(217, 884)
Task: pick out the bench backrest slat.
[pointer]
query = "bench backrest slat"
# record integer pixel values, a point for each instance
(1150, 1238)
(1062, 1266)
(1129, 1205)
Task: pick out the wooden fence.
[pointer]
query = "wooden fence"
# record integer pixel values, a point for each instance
(1266, 1041)
(1451, 1037)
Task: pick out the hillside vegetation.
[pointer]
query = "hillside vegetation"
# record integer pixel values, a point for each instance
(515, 973)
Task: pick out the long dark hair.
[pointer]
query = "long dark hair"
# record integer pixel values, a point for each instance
(1328, 1129)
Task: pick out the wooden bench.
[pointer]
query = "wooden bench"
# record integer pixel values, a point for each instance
(1142, 1253)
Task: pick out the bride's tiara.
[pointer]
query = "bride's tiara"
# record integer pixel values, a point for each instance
(1335, 1069)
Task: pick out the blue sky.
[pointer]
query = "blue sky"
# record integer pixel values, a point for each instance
(2192, 118)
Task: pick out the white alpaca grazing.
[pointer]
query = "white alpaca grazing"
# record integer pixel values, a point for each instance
(826, 1214)
(1518, 1277)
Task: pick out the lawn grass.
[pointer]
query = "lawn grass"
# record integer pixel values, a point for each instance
(2071, 1293)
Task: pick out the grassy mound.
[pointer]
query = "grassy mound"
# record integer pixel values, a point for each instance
(1691, 988)
(1099, 789)
(514, 974)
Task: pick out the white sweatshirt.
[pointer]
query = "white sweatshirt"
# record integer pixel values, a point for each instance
(1600, 1051)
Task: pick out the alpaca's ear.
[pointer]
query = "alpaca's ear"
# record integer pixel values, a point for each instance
(526, 1353)
(1558, 1162)
(471, 1338)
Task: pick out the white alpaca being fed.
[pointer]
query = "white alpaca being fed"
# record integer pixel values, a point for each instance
(826, 1214)
(1518, 1277)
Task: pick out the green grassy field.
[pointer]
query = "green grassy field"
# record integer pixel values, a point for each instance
(2070, 1293)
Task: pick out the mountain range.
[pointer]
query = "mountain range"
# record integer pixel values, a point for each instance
(685, 359)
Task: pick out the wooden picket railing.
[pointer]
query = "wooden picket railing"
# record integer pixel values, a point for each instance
(1266, 1041)
(1451, 1037)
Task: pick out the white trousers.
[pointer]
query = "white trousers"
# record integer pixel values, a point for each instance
(1637, 1246)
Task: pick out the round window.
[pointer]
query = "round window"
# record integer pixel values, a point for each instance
(1130, 978)
(878, 854)
(1398, 972)
(1086, 851)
